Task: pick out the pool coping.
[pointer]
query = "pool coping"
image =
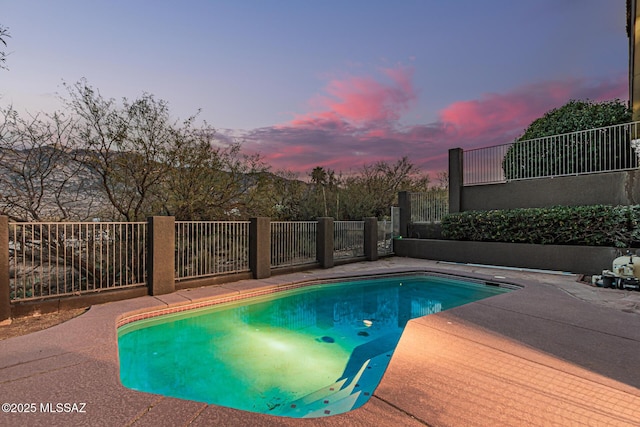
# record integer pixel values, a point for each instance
(77, 361)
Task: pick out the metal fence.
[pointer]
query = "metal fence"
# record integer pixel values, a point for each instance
(56, 259)
(604, 149)
(207, 248)
(430, 206)
(385, 237)
(293, 243)
(348, 239)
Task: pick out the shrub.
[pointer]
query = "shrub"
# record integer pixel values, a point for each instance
(534, 155)
(576, 116)
(562, 225)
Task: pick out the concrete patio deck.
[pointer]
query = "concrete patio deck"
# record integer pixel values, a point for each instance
(555, 352)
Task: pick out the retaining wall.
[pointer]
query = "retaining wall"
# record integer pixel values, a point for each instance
(575, 259)
(604, 188)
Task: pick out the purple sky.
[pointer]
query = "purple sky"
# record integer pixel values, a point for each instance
(333, 83)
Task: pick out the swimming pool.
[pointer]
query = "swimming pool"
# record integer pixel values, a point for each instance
(312, 351)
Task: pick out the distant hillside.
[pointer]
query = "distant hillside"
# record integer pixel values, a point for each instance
(51, 184)
(47, 184)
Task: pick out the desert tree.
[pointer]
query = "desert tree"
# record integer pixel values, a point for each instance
(208, 179)
(374, 188)
(284, 197)
(39, 180)
(442, 180)
(126, 146)
(149, 164)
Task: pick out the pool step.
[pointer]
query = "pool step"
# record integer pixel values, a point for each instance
(335, 398)
(319, 394)
(336, 407)
(369, 381)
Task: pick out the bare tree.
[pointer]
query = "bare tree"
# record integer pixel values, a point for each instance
(4, 34)
(127, 147)
(40, 181)
(443, 180)
(38, 178)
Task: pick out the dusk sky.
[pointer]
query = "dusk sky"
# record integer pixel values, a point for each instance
(326, 83)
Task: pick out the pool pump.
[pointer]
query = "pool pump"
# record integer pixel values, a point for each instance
(625, 274)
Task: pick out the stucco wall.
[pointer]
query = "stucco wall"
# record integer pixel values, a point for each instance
(611, 188)
(575, 259)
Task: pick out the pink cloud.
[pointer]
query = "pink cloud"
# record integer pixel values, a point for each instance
(362, 100)
(357, 121)
(499, 118)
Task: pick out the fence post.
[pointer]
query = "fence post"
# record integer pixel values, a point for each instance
(456, 180)
(404, 203)
(324, 242)
(161, 254)
(260, 247)
(5, 289)
(371, 239)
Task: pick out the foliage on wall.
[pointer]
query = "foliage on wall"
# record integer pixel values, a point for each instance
(596, 225)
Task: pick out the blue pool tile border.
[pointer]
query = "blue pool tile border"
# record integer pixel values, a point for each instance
(213, 301)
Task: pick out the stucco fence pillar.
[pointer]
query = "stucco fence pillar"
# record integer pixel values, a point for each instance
(161, 255)
(325, 242)
(371, 239)
(260, 247)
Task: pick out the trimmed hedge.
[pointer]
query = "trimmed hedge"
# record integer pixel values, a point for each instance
(534, 154)
(597, 225)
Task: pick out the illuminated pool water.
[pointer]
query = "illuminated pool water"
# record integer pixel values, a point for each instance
(309, 352)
